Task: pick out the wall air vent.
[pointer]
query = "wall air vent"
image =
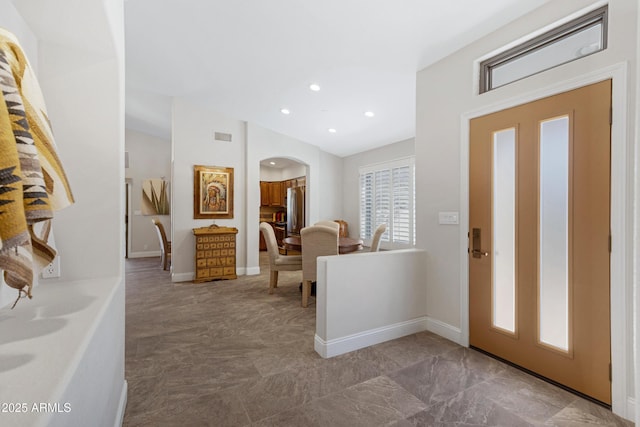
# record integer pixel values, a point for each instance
(220, 136)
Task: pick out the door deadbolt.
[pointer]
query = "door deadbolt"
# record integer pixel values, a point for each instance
(476, 252)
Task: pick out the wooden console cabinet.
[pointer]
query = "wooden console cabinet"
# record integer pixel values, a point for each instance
(215, 253)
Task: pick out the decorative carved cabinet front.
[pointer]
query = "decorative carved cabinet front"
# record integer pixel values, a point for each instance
(215, 253)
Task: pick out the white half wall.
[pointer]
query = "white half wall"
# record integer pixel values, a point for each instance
(66, 345)
(367, 298)
(65, 349)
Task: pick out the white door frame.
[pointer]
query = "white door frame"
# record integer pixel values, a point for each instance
(621, 226)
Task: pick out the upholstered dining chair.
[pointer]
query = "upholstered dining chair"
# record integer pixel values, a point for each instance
(377, 235)
(165, 245)
(331, 224)
(277, 262)
(317, 240)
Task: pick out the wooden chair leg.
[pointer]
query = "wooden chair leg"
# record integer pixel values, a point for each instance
(273, 282)
(306, 291)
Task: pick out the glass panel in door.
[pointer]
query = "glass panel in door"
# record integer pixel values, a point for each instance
(553, 286)
(504, 233)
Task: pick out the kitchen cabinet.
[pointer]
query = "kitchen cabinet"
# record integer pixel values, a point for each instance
(265, 193)
(276, 194)
(272, 193)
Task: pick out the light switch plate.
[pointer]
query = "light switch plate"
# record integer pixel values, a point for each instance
(448, 218)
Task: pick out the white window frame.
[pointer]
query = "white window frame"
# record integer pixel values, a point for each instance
(386, 241)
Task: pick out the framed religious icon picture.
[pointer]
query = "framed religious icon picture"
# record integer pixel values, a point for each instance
(212, 192)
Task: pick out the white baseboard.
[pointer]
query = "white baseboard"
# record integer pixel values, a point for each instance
(631, 409)
(122, 405)
(183, 277)
(252, 271)
(364, 339)
(445, 330)
(147, 254)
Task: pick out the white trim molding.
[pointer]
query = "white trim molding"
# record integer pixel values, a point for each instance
(183, 277)
(621, 226)
(146, 254)
(122, 405)
(337, 346)
(445, 330)
(631, 409)
(252, 271)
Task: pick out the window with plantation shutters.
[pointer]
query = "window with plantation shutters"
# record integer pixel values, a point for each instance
(402, 211)
(387, 196)
(366, 205)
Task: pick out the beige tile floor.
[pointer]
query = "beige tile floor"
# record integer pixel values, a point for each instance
(227, 353)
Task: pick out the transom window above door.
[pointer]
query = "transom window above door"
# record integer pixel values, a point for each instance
(573, 40)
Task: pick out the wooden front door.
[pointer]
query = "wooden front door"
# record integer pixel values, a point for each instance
(539, 215)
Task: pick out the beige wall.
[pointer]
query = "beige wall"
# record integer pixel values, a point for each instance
(193, 144)
(149, 158)
(351, 184)
(446, 95)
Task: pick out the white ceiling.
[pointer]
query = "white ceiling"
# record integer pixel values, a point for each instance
(248, 59)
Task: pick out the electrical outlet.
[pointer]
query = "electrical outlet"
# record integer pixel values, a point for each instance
(52, 270)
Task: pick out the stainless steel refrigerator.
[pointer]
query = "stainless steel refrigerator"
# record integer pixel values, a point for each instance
(295, 210)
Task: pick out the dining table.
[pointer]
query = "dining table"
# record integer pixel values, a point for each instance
(345, 244)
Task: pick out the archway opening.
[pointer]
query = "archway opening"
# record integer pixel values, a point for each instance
(283, 202)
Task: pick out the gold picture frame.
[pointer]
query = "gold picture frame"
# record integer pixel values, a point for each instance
(212, 192)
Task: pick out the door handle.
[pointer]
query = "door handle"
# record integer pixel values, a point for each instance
(479, 254)
(477, 244)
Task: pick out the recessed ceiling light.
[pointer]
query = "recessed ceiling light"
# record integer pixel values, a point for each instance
(272, 163)
(285, 111)
(369, 113)
(314, 87)
(332, 130)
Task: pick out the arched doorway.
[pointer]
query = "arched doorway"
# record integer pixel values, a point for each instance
(282, 197)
